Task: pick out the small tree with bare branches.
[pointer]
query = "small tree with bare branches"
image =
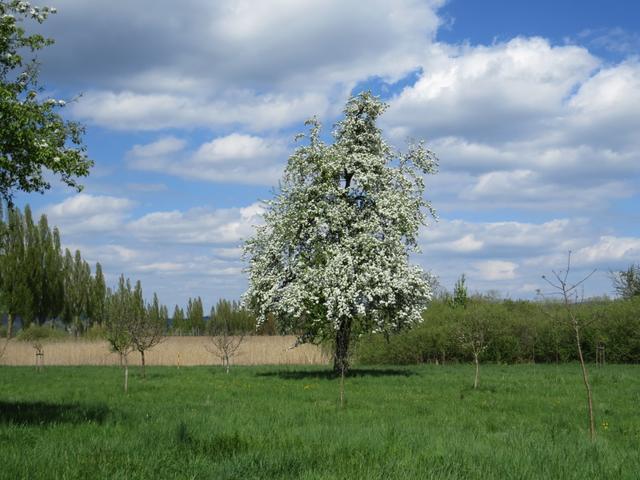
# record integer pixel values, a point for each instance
(570, 298)
(224, 345)
(119, 317)
(473, 335)
(149, 325)
(224, 338)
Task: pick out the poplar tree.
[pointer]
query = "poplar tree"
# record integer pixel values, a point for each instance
(232, 315)
(195, 316)
(178, 320)
(76, 289)
(34, 265)
(43, 262)
(97, 299)
(3, 236)
(14, 287)
(331, 260)
(460, 298)
(221, 314)
(54, 267)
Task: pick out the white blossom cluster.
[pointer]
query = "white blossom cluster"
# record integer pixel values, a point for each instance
(337, 236)
(25, 82)
(39, 14)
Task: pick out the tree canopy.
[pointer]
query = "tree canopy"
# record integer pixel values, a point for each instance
(34, 138)
(627, 282)
(331, 260)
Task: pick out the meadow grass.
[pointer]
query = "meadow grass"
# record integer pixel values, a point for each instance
(526, 421)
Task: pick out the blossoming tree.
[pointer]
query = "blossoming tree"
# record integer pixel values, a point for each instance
(330, 261)
(34, 138)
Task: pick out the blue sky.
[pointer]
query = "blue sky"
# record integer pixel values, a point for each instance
(532, 107)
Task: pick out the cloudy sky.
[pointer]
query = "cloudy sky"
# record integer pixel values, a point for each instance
(191, 108)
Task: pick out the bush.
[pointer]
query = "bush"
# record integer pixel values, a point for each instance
(38, 333)
(517, 332)
(95, 332)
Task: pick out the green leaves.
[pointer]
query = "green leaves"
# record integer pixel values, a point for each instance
(39, 283)
(14, 278)
(34, 137)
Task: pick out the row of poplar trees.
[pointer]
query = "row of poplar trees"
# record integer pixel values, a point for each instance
(40, 282)
(229, 315)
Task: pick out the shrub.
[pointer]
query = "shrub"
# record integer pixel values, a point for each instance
(517, 331)
(38, 333)
(96, 332)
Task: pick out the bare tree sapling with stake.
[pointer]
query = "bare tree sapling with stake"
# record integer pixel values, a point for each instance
(570, 299)
(473, 335)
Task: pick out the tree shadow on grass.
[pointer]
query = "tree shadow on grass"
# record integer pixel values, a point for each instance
(43, 413)
(330, 374)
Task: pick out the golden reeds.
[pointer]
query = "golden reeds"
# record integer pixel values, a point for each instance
(173, 351)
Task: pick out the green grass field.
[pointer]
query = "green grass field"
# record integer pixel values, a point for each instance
(526, 421)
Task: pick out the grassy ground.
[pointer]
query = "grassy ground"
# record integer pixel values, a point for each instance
(525, 421)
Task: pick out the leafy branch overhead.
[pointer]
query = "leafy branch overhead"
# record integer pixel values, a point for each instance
(34, 138)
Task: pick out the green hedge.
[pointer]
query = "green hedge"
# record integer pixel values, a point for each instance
(516, 332)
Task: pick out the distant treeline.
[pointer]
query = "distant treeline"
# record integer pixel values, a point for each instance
(227, 315)
(39, 282)
(515, 332)
(42, 284)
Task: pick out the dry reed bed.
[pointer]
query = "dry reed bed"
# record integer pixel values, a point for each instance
(173, 351)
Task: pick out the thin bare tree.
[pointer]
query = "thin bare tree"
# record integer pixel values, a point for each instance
(149, 327)
(570, 298)
(473, 336)
(222, 343)
(119, 314)
(39, 348)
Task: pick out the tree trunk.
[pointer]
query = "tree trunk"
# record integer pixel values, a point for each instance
(126, 374)
(587, 385)
(9, 326)
(144, 372)
(477, 379)
(533, 352)
(341, 356)
(342, 388)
